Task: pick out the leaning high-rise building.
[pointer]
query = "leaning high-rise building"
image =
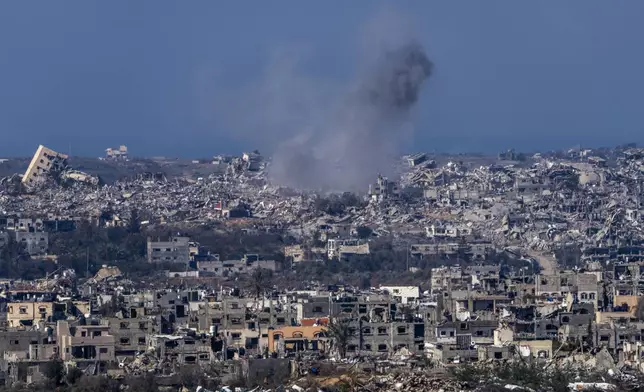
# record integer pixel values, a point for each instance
(44, 161)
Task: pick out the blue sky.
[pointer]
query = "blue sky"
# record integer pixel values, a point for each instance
(151, 74)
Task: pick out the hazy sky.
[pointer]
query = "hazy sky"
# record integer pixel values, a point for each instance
(149, 74)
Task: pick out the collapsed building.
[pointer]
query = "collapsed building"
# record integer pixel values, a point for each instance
(47, 165)
(119, 153)
(568, 234)
(44, 162)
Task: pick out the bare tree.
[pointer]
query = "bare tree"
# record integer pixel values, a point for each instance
(258, 283)
(639, 310)
(340, 334)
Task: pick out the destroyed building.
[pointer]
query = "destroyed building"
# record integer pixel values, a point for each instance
(119, 153)
(531, 260)
(383, 189)
(44, 161)
(173, 250)
(417, 159)
(338, 248)
(35, 242)
(245, 265)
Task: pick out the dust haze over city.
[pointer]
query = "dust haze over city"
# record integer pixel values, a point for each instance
(321, 196)
(364, 138)
(339, 138)
(533, 77)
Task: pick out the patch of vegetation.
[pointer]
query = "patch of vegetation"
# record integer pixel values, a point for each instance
(527, 374)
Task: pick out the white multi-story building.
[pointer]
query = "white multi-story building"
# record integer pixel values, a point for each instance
(404, 294)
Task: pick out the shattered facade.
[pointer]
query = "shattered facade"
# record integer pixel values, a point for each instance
(538, 259)
(171, 250)
(44, 161)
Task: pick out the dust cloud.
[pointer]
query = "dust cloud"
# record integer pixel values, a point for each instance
(333, 137)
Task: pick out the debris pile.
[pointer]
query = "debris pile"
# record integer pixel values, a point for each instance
(541, 206)
(415, 381)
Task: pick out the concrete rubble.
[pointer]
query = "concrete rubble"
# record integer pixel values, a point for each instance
(564, 231)
(413, 381)
(554, 203)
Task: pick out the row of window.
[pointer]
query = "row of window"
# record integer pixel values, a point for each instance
(237, 320)
(400, 330)
(299, 335)
(24, 309)
(589, 296)
(452, 333)
(126, 325)
(94, 334)
(126, 341)
(381, 347)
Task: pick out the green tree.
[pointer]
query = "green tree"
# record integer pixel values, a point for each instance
(13, 259)
(73, 375)
(54, 372)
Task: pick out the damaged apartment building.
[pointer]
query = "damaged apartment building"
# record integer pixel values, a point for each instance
(513, 257)
(44, 162)
(32, 234)
(184, 251)
(120, 153)
(246, 265)
(49, 164)
(144, 330)
(470, 313)
(172, 250)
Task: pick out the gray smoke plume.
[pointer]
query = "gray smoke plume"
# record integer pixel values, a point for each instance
(362, 136)
(321, 134)
(397, 84)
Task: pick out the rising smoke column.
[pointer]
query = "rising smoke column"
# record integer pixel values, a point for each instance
(397, 83)
(363, 137)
